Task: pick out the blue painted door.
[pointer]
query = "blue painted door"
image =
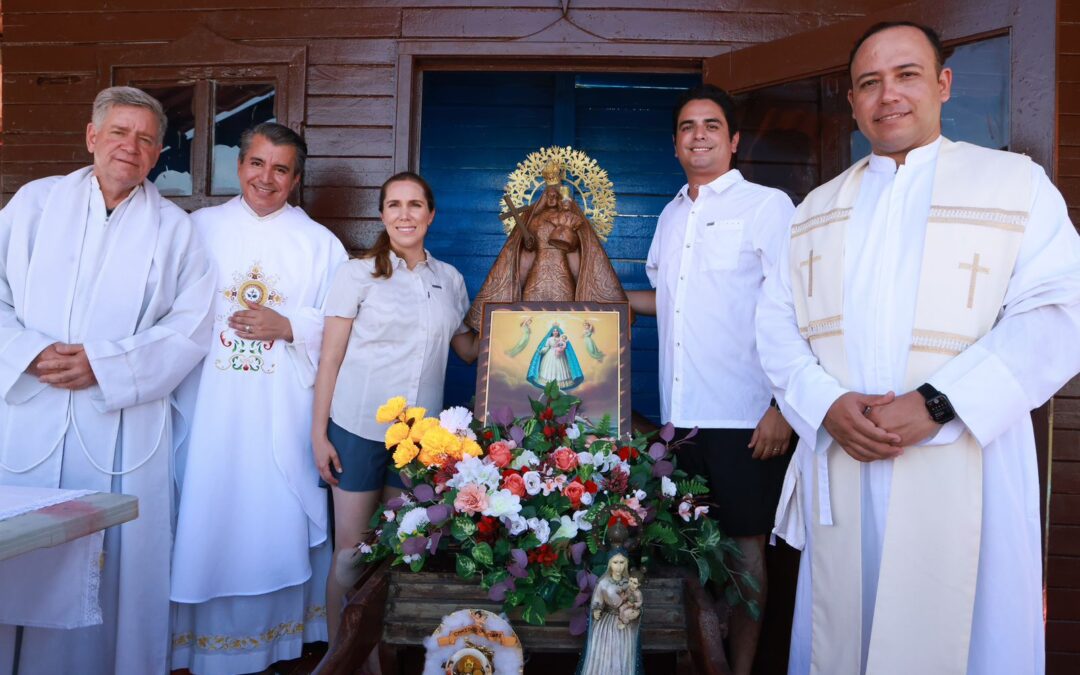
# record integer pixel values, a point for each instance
(476, 127)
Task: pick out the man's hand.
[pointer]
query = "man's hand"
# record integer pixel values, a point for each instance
(771, 436)
(47, 354)
(67, 368)
(261, 323)
(907, 416)
(848, 424)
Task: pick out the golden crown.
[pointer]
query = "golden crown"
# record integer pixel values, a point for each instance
(553, 173)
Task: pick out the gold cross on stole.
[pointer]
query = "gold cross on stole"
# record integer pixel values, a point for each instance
(975, 272)
(809, 263)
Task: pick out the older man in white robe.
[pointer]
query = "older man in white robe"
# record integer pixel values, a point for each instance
(928, 299)
(251, 557)
(104, 307)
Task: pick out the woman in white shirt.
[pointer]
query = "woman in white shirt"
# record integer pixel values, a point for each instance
(390, 315)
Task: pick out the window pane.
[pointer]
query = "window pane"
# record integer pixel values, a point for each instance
(978, 111)
(236, 108)
(172, 174)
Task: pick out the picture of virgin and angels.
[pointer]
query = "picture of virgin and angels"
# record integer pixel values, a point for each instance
(582, 347)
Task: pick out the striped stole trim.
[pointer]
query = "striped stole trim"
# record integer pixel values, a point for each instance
(1012, 221)
(938, 342)
(827, 327)
(820, 220)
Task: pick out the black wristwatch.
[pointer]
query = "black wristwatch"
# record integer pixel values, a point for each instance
(941, 411)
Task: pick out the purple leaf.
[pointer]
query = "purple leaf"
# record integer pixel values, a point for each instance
(581, 598)
(576, 551)
(584, 581)
(520, 557)
(406, 480)
(650, 514)
(438, 513)
(395, 503)
(518, 434)
(502, 415)
(435, 538)
(657, 451)
(517, 571)
(424, 493)
(690, 434)
(667, 432)
(579, 623)
(414, 545)
(663, 468)
(498, 591)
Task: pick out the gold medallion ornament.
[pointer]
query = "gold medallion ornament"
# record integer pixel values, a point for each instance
(575, 171)
(253, 288)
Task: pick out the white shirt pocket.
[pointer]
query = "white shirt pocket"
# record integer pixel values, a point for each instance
(720, 242)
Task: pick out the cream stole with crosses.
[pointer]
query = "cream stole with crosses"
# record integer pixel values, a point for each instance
(930, 560)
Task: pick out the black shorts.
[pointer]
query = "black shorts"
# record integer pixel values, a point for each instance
(743, 491)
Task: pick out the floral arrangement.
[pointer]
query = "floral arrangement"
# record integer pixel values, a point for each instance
(524, 504)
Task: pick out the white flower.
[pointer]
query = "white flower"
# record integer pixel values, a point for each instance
(412, 521)
(684, 510)
(502, 503)
(533, 483)
(541, 528)
(572, 432)
(567, 529)
(456, 420)
(410, 559)
(667, 487)
(587, 498)
(640, 495)
(699, 511)
(585, 458)
(579, 519)
(474, 470)
(515, 524)
(389, 515)
(364, 547)
(553, 484)
(526, 458)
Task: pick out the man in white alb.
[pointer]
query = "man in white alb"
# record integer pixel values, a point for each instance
(713, 245)
(251, 558)
(927, 300)
(104, 309)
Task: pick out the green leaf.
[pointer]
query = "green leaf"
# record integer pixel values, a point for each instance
(483, 554)
(462, 528)
(537, 406)
(529, 541)
(417, 564)
(466, 568)
(502, 548)
(754, 610)
(560, 406)
(534, 611)
(550, 512)
(703, 570)
(662, 533)
(692, 487)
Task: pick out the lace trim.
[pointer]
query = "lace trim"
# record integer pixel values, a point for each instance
(218, 643)
(827, 327)
(1013, 221)
(938, 342)
(820, 220)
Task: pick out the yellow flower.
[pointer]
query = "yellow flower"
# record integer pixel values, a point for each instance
(471, 447)
(405, 453)
(389, 412)
(427, 457)
(396, 434)
(421, 427)
(439, 441)
(415, 413)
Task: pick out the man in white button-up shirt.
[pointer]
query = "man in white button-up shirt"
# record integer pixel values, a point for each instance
(712, 248)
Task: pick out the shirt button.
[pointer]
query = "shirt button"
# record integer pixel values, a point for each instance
(688, 246)
(678, 344)
(682, 277)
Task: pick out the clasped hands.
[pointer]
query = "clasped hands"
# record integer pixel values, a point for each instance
(260, 323)
(64, 366)
(870, 427)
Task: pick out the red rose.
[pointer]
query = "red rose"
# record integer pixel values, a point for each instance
(565, 459)
(487, 529)
(548, 432)
(573, 492)
(488, 434)
(626, 453)
(499, 452)
(514, 483)
(591, 487)
(547, 414)
(545, 555)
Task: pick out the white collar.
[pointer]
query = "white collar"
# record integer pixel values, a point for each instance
(923, 154)
(717, 185)
(256, 216)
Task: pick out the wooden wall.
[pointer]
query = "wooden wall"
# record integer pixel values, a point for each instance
(52, 52)
(1063, 565)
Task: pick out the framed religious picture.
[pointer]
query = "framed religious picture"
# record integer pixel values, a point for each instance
(582, 346)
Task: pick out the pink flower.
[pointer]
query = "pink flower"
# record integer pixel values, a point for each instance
(500, 454)
(471, 498)
(634, 504)
(573, 492)
(514, 483)
(565, 458)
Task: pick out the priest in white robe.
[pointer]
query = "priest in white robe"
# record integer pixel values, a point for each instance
(251, 558)
(104, 308)
(928, 300)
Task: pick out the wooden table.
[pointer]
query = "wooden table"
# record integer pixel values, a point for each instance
(60, 523)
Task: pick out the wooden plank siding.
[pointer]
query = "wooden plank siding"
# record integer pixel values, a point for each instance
(1063, 551)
